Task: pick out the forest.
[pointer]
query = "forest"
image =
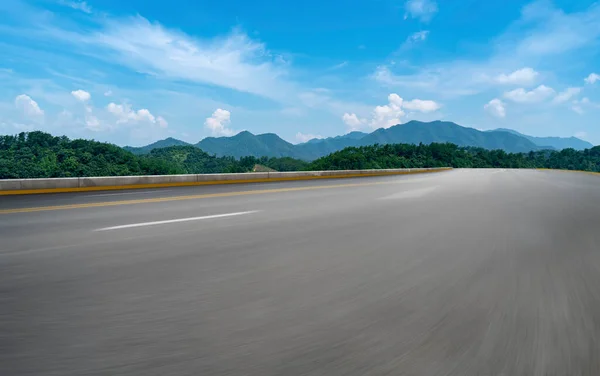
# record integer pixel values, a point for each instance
(450, 155)
(41, 155)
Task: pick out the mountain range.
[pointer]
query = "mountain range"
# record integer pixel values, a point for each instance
(412, 132)
(558, 143)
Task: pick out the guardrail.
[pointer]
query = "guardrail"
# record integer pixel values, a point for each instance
(57, 185)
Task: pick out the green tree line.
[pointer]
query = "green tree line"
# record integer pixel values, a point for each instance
(41, 155)
(450, 155)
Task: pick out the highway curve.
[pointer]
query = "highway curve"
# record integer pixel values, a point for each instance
(465, 272)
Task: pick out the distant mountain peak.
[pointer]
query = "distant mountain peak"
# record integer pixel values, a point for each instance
(169, 141)
(244, 133)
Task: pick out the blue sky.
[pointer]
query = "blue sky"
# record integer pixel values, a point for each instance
(132, 72)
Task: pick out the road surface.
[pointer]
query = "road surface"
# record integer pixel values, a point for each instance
(466, 272)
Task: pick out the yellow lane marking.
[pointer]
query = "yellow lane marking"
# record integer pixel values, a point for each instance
(181, 198)
(213, 182)
(557, 170)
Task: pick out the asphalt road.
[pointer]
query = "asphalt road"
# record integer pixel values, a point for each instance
(466, 272)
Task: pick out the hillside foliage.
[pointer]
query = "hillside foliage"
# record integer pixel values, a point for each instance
(450, 155)
(41, 155)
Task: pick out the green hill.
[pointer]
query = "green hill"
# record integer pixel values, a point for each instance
(41, 155)
(156, 145)
(247, 144)
(191, 160)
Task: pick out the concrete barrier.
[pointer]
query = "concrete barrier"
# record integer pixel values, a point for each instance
(108, 181)
(57, 185)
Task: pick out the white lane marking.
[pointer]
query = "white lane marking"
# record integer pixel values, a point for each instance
(128, 193)
(415, 193)
(176, 220)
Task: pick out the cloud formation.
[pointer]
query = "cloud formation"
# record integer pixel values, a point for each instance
(218, 123)
(125, 114)
(496, 108)
(389, 114)
(539, 94)
(353, 122)
(93, 123)
(28, 106)
(543, 33)
(420, 9)
(419, 105)
(415, 38)
(566, 95)
(161, 122)
(233, 61)
(592, 78)
(81, 95)
(524, 76)
(79, 5)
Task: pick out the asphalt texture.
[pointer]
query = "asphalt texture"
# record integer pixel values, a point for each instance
(465, 272)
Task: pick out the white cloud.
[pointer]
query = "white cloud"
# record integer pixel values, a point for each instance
(162, 122)
(566, 95)
(543, 34)
(496, 108)
(421, 9)
(592, 78)
(582, 135)
(79, 5)
(556, 32)
(353, 122)
(415, 38)
(419, 35)
(125, 114)
(456, 81)
(81, 95)
(524, 76)
(144, 115)
(108, 93)
(536, 95)
(92, 123)
(234, 61)
(577, 108)
(301, 137)
(424, 106)
(218, 123)
(28, 106)
(339, 66)
(389, 114)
